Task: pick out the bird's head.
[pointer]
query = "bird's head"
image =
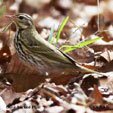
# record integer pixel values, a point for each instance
(22, 20)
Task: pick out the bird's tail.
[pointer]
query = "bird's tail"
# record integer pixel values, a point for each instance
(84, 69)
(79, 67)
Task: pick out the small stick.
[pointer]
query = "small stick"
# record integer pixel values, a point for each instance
(98, 18)
(4, 29)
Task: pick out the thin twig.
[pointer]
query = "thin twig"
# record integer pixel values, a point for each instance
(3, 91)
(4, 29)
(98, 18)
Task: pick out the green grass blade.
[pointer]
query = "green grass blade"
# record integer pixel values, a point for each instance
(68, 50)
(61, 28)
(51, 34)
(65, 46)
(51, 42)
(2, 10)
(71, 48)
(87, 42)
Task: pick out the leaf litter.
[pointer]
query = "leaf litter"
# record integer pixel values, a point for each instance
(22, 87)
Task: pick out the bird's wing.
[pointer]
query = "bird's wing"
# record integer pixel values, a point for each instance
(48, 52)
(43, 49)
(52, 54)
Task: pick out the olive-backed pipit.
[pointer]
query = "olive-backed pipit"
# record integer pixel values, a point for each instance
(34, 50)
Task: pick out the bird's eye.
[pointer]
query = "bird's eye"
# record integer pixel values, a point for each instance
(21, 17)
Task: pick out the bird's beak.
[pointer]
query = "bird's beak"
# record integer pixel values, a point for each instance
(12, 17)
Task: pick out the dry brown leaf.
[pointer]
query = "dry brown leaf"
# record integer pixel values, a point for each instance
(107, 55)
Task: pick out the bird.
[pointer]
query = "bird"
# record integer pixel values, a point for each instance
(34, 50)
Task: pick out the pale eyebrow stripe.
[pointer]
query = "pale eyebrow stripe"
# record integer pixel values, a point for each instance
(27, 17)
